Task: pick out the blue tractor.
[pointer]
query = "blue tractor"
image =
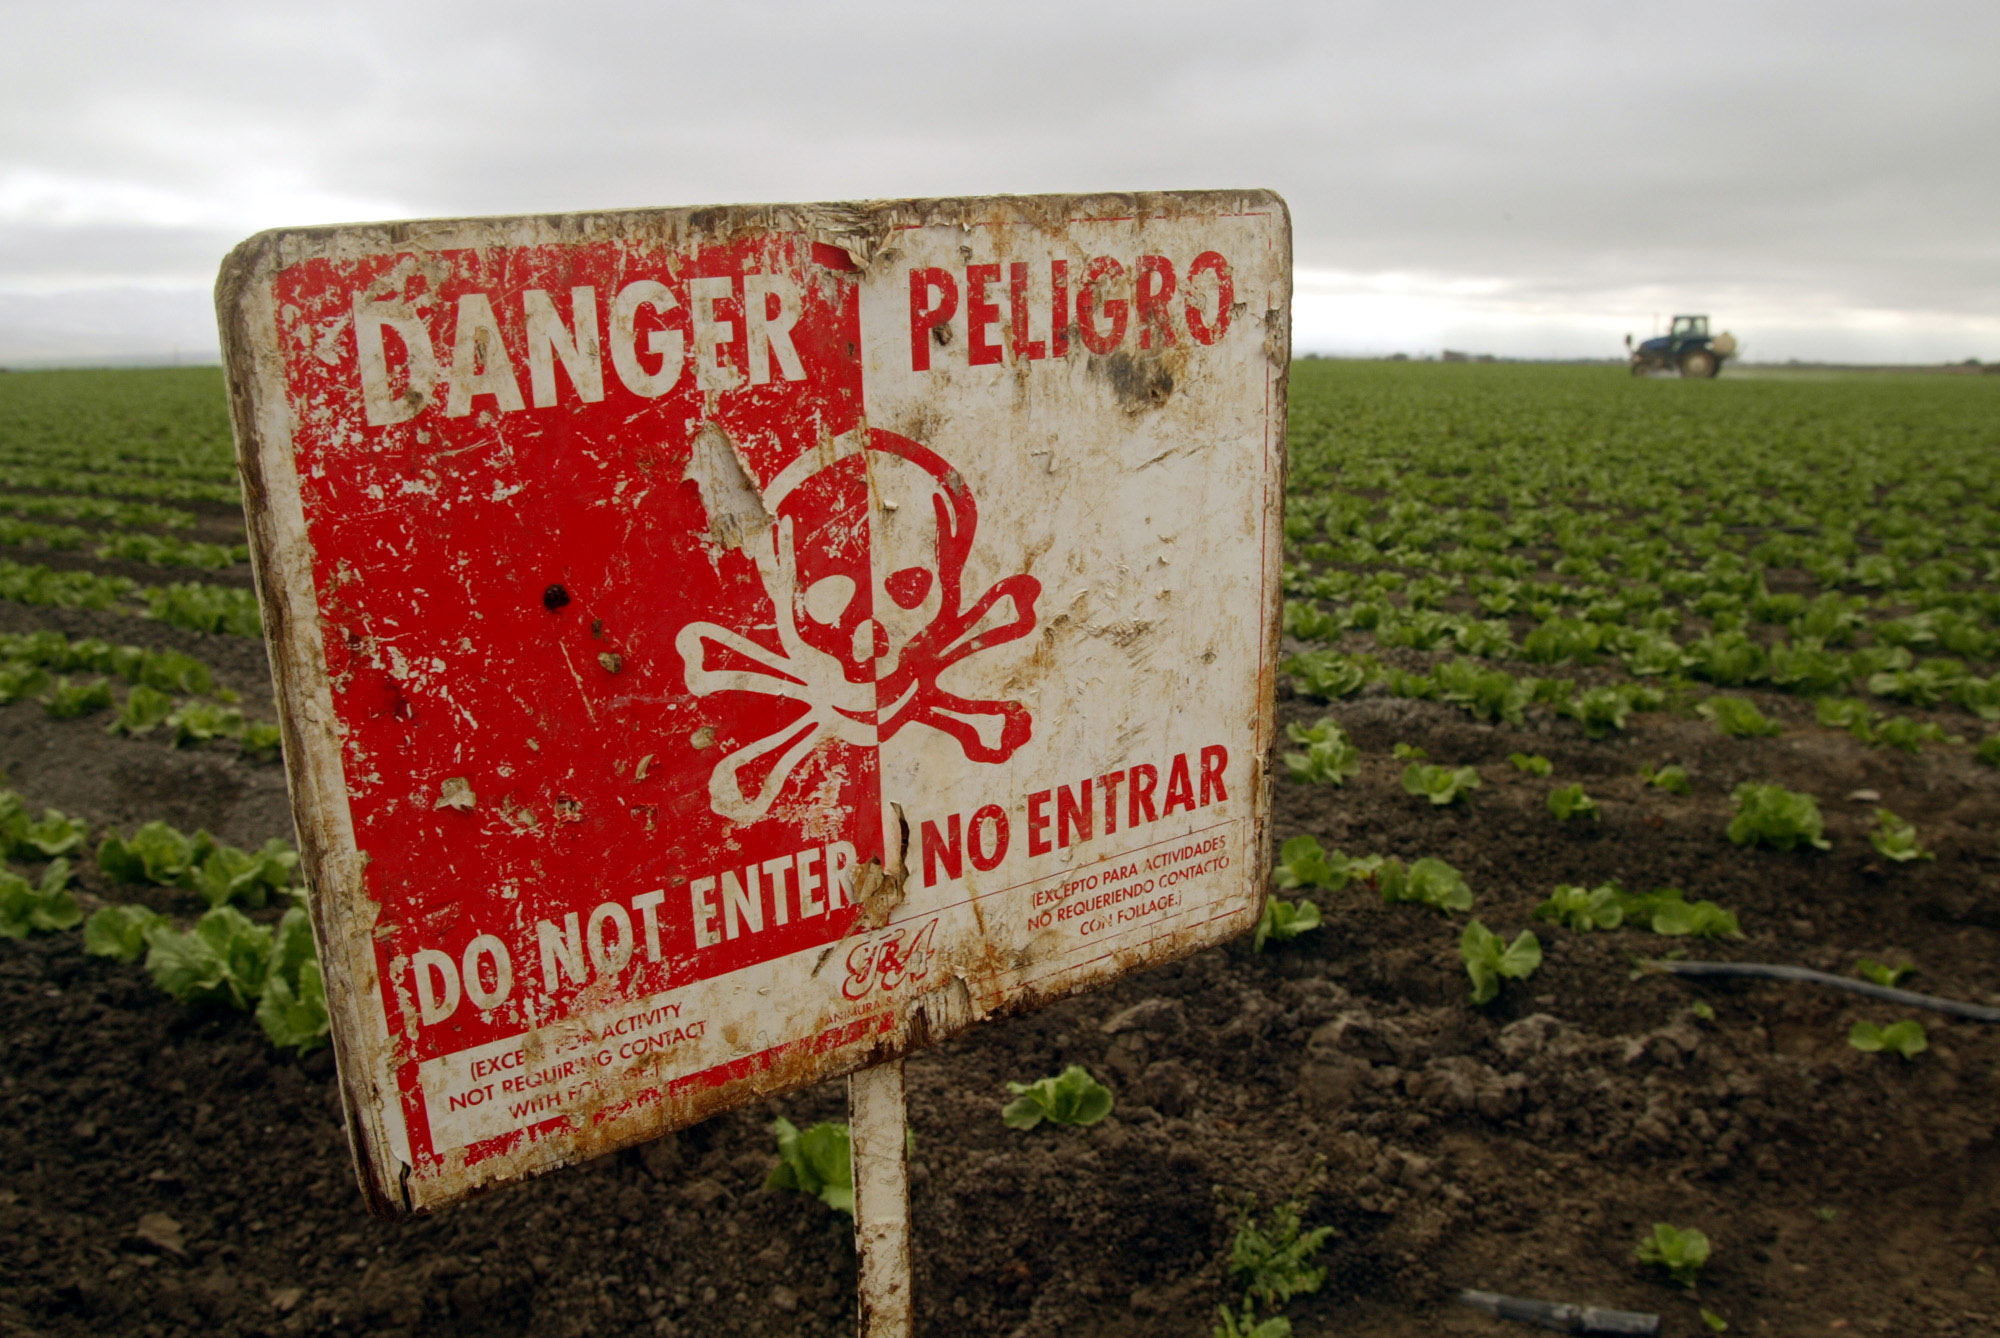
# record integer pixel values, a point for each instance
(1687, 348)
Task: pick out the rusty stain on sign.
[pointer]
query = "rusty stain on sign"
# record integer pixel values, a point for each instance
(721, 649)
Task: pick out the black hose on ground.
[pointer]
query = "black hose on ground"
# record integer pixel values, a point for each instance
(1563, 1317)
(1771, 971)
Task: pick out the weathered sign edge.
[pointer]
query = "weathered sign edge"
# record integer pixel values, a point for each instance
(281, 565)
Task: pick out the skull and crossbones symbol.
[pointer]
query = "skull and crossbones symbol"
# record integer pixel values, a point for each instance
(868, 615)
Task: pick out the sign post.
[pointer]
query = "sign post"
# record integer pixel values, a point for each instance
(720, 650)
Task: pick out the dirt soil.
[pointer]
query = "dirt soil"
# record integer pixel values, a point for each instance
(164, 1171)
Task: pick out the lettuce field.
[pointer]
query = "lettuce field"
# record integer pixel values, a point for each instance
(1589, 681)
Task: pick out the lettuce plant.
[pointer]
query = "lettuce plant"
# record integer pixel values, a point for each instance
(1531, 764)
(1584, 908)
(1680, 1251)
(156, 854)
(1739, 718)
(1230, 1324)
(1598, 710)
(144, 711)
(818, 1161)
(1906, 1038)
(292, 1006)
(1441, 785)
(1909, 735)
(1569, 801)
(1303, 863)
(223, 959)
(1072, 1097)
(261, 740)
(1427, 882)
(1408, 752)
(45, 906)
(1881, 972)
(1895, 839)
(1284, 921)
(1327, 674)
(200, 721)
(1773, 816)
(1668, 911)
(227, 874)
(68, 701)
(120, 932)
(1488, 962)
(1330, 758)
(23, 838)
(1673, 778)
(1988, 750)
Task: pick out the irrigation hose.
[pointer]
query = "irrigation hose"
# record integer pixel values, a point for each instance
(1772, 971)
(1562, 1317)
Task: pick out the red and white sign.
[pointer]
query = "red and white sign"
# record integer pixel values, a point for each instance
(720, 649)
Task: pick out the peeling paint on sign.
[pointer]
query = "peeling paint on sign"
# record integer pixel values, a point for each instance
(720, 649)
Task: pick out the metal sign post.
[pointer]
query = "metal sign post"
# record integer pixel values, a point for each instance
(879, 1123)
(721, 650)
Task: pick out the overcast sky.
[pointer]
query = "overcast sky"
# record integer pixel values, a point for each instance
(1526, 179)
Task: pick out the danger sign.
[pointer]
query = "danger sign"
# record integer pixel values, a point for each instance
(720, 649)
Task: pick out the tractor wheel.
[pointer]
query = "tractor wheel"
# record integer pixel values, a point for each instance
(1638, 366)
(1699, 363)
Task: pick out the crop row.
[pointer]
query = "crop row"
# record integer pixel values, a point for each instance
(154, 550)
(190, 604)
(112, 514)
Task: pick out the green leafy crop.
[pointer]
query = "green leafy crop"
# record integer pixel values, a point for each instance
(46, 906)
(156, 854)
(1668, 911)
(1680, 1251)
(67, 700)
(1881, 972)
(1905, 1038)
(1330, 758)
(1773, 816)
(261, 740)
(1302, 863)
(1440, 784)
(223, 959)
(23, 838)
(1427, 882)
(1895, 839)
(144, 711)
(1739, 718)
(1599, 710)
(818, 1161)
(1230, 1324)
(1487, 962)
(226, 874)
(1988, 750)
(1327, 674)
(292, 1007)
(1584, 908)
(1273, 1262)
(199, 721)
(1073, 1097)
(1569, 801)
(1673, 778)
(1283, 921)
(1532, 764)
(120, 932)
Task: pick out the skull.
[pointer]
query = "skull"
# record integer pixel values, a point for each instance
(868, 614)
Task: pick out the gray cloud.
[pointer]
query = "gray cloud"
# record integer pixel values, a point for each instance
(1553, 165)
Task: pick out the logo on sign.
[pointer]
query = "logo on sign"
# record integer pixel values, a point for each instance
(870, 609)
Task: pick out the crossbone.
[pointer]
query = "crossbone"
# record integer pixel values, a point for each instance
(863, 691)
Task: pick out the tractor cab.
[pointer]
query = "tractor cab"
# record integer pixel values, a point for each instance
(1686, 347)
(1687, 329)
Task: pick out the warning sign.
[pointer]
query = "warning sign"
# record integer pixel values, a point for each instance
(720, 649)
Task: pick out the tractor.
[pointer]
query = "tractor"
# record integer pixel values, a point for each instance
(1687, 347)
